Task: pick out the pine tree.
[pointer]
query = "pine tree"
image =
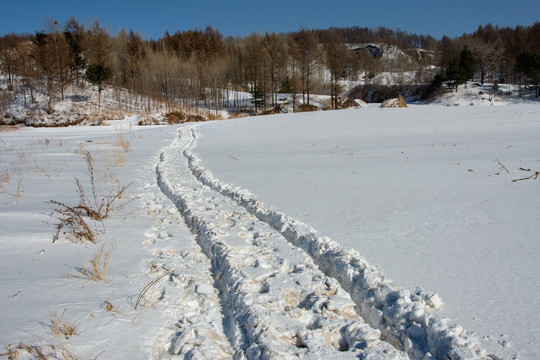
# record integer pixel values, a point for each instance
(529, 65)
(97, 74)
(460, 70)
(258, 97)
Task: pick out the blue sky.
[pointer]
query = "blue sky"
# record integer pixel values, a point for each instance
(240, 18)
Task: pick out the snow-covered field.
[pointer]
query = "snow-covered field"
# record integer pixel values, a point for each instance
(269, 237)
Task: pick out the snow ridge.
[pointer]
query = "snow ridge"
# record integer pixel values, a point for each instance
(409, 321)
(276, 302)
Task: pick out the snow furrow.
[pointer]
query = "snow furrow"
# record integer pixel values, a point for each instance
(277, 303)
(408, 320)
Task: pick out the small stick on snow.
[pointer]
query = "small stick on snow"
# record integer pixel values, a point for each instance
(534, 176)
(232, 157)
(148, 286)
(16, 294)
(504, 167)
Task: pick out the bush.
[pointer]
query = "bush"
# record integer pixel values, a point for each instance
(175, 117)
(195, 118)
(306, 108)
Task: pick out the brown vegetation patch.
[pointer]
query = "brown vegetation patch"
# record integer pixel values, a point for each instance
(348, 103)
(195, 118)
(394, 103)
(175, 117)
(8, 127)
(305, 108)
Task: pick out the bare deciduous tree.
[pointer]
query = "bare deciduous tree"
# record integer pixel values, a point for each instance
(308, 53)
(335, 55)
(275, 56)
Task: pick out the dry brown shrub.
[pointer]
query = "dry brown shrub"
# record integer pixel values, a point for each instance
(4, 128)
(61, 325)
(212, 116)
(306, 108)
(195, 118)
(76, 220)
(175, 117)
(348, 103)
(40, 352)
(97, 271)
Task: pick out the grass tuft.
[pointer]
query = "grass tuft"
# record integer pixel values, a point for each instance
(61, 325)
(97, 271)
(77, 220)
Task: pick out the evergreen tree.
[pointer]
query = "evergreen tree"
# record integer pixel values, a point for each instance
(97, 74)
(467, 64)
(460, 70)
(529, 65)
(258, 97)
(74, 34)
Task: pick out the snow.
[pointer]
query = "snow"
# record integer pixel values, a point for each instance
(418, 191)
(371, 233)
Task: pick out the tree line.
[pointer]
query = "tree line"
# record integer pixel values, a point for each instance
(201, 67)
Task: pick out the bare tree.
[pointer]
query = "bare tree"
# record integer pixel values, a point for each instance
(48, 50)
(253, 68)
(294, 81)
(9, 58)
(60, 52)
(74, 34)
(308, 53)
(275, 56)
(487, 55)
(335, 55)
(98, 45)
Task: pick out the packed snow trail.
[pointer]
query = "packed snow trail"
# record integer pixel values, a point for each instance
(195, 329)
(277, 303)
(288, 292)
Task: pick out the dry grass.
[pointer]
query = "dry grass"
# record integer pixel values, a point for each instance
(116, 159)
(175, 117)
(98, 117)
(121, 144)
(8, 128)
(20, 191)
(40, 352)
(5, 177)
(97, 271)
(147, 287)
(62, 325)
(123, 140)
(80, 221)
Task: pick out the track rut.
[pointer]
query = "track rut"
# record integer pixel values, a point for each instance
(287, 292)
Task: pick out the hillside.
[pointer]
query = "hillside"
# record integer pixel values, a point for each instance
(80, 104)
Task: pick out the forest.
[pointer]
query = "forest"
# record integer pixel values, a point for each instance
(202, 68)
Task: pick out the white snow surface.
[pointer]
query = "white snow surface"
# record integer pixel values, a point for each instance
(367, 233)
(418, 191)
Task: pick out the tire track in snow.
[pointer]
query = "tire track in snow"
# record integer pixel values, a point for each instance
(409, 321)
(276, 302)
